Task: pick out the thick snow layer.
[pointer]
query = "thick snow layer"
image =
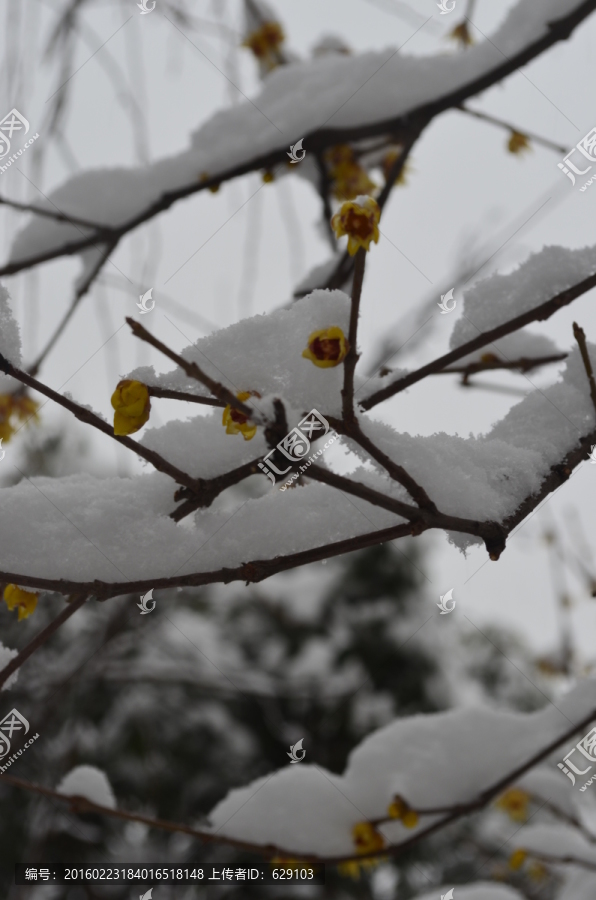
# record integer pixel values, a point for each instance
(334, 90)
(481, 890)
(118, 529)
(306, 809)
(489, 475)
(10, 341)
(6, 654)
(89, 782)
(264, 354)
(557, 841)
(499, 298)
(522, 344)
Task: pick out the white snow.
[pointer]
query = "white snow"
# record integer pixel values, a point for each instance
(481, 890)
(476, 747)
(264, 354)
(295, 100)
(10, 341)
(6, 654)
(89, 782)
(498, 298)
(558, 841)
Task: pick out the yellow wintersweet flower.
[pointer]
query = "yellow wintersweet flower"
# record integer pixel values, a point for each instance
(518, 142)
(348, 178)
(517, 859)
(204, 176)
(366, 838)
(25, 601)
(326, 348)
(132, 404)
(235, 421)
(515, 803)
(462, 34)
(399, 809)
(353, 867)
(359, 219)
(537, 872)
(265, 43)
(13, 407)
(268, 176)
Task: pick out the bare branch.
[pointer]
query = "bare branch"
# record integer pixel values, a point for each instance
(580, 336)
(351, 359)
(537, 314)
(192, 370)
(502, 124)
(416, 117)
(41, 638)
(79, 294)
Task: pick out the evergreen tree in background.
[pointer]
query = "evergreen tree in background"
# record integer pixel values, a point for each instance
(211, 690)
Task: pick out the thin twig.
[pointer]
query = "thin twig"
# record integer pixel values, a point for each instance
(90, 418)
(41, 638)
(524, 364)
(454, 812)
(502, 124)
(537, 314)
(559, 29)
(193, 371)
(57, 215)
(351, 359)
(580, 336)
(79, 294)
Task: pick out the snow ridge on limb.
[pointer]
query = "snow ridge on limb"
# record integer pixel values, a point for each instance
(391, 92)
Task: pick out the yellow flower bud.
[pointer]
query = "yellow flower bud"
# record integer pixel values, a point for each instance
(24, 600)
(517, 859)
(132, 405)
(366, 838)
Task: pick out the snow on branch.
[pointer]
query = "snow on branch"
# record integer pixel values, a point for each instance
(357, 97)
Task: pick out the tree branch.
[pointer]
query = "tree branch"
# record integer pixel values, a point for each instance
(580, 337)
(457, 811)
(41, 638)
(537, 314)
(192, 370)
(317, 141)
(351, 359)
